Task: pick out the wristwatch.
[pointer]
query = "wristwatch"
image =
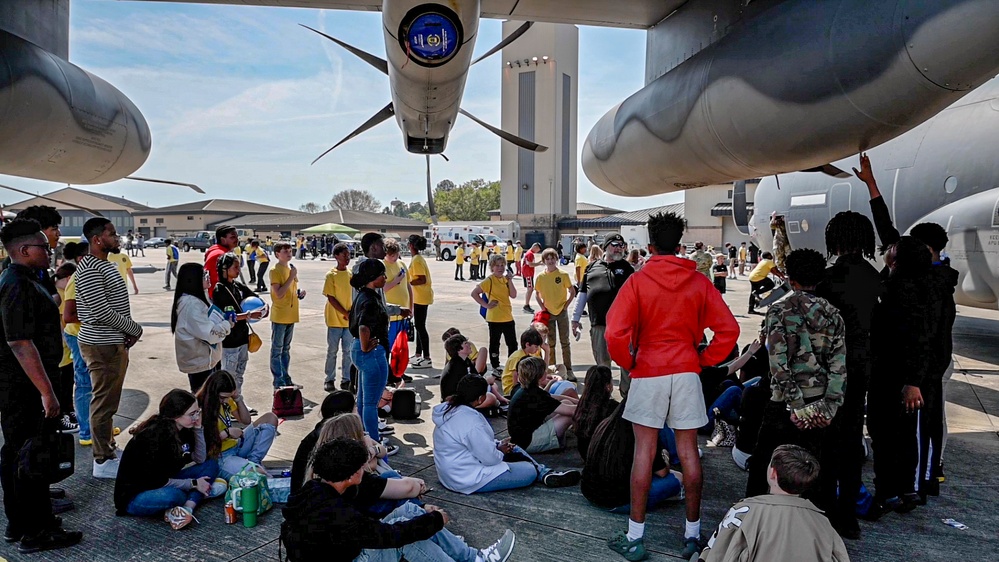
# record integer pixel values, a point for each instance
(194, 484)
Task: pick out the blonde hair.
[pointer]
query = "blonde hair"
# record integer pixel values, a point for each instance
(541, 328)
(596, 253)
(391, 246)
(530, 370)
(497, 259)
(344, 426)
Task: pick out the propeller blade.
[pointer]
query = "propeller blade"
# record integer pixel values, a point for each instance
(377, 62)
(509, 137)
(191, 185)
(376, 119)
(829, 170)
(509, 39)
(430, 195)
(30, 194)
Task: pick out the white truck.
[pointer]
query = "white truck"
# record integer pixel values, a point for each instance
(637, 236)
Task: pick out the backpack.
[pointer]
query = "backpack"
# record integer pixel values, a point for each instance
(288, 402)
(406, 404)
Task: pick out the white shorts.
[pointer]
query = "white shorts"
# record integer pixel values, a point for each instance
(673, 400)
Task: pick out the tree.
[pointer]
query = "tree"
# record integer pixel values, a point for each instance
(355, 200)
(445, 185)
(312, 208)
(470, 201)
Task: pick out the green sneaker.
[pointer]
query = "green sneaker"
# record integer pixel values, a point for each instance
(692, 545)
(631, 550)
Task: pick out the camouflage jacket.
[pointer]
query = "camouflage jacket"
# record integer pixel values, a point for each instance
(703, 261)
(806, 341)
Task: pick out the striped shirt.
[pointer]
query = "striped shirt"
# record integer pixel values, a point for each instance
(102, 304)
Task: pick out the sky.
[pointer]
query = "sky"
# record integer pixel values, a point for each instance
(241, 99)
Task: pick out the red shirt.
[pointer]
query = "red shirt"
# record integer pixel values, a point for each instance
(659, 316)
(212, 256)
(528, 270)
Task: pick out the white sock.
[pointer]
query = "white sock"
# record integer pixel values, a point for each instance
(635, 530)
(693, 529)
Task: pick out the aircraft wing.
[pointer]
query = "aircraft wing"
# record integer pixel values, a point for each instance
(638, 14)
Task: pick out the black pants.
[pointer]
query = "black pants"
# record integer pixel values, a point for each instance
(63, 387)
(482, 268)
(473, 271)
(893, 436)
(261, 281)
(197, 380)
(25, 500)
(930, 427)
(508, 330)
(850, 418)
(777, 430)
(758, 287)
(422, 336)
(252, 267)
(459, 272)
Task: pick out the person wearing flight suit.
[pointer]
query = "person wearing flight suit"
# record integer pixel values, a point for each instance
(703, 259)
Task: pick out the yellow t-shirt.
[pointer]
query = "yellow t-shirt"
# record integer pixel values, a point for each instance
(284, 310)
(400, 293)
(227, 415)
(497, 289)
(553, 286)
(509, 253)
(475, 255)
(122, 262)
(460, 253)
(581, 263)
(518, 253)
(67, 357)
(262, 255)
(472, 356)
(510, 369)
(422, 294)
(169, 253)
(74, 328)
(337, 286)
(761, 270)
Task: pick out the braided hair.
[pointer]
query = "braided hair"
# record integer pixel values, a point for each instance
(850, 233)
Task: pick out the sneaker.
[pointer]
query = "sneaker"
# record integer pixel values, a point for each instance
(219, 487)
(391, 450)
(167, 288)
(87, 442)
(717, 434)
(61, 505)
(12, 534)
(528, 309)
(66, 425)
(345, 385)
(178, 517)
(107, 469)
(49, 540)
(407, 378)
(691, 546)
(72, 418)
(57, 493)
(630, 550)
(389, 430)
(421, 363)
(252, 411)
(562, 479)
(729, 434)
(500, 550)
(329, 386)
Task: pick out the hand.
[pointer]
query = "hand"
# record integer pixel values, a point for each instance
(423, 486)
(204, 486)
(302, 293)
(492, 304)
(235, 432)
(912, 398)
(754, 346)
(865, 174)
(51, 405)
(405, 312)
(576, 328)
(799, 423)
(236, 396)
(137, 290)
(372, 344)
(130, 341)
(432, 508)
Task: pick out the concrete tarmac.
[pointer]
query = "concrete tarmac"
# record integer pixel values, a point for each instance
(551, 524)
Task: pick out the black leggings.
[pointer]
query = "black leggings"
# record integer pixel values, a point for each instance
(261, 283)
(459, 271)
(757, 287)
(422, 336)
(509, 332)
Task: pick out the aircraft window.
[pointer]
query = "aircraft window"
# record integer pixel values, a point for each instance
(950, 184)
(808, 200)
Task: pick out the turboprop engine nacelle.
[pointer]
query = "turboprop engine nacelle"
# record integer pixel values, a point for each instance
(429, 49)
(800, 85)
(60, 123)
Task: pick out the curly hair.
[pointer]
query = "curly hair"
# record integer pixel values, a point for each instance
(666, 231)
(805, 267)
(850, 233)
(931, 234)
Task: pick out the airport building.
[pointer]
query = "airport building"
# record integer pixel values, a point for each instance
(68, 200)
(188, 218)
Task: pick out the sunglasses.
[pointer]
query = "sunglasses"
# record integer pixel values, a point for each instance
(617, 244)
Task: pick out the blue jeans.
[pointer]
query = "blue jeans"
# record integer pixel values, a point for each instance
(662, 488)
(252, 446)
(155, 502)
(520, 475)
(381, 508)
(84, 387)
(667, 440)
(234, 360)
(442, 547)
(728, 403)
(281, 335)
(372, 368)
(338, 340)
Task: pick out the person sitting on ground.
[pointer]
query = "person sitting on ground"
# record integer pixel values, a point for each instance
(723, 391)
(607, 470)
(152, 478)
(234, 446)
(322, 522)
(537, 420)
(336, 403)
(198, 327)
(554, 383)
(479, 356)
(594, 406)
(781, 525)
(458, 367)
(468, 457)
(530, 346)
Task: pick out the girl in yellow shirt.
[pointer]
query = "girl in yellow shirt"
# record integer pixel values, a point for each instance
(498, 290)
(459, 263)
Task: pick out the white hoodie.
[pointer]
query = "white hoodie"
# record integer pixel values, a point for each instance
(199, 334)
(465, 450)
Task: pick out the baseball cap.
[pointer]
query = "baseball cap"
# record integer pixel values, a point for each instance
(613, 238)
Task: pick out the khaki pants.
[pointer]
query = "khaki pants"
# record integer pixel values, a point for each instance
(600, 354)
(560, 321)
(107, 364)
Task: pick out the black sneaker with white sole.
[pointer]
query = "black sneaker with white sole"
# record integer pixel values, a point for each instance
(66, 425)
(562, 478)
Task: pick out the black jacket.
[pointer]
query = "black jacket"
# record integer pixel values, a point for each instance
(941, 312)
(231, 294)
(854, 287)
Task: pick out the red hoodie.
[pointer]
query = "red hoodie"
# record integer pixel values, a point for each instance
(663, 311)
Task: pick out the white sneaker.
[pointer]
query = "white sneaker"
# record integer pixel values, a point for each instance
(500, 550)
(219, 487)
(107, 469)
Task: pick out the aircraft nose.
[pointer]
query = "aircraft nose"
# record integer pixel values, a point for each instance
(944, 40)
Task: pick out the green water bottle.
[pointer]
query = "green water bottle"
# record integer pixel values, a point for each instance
(247, 500)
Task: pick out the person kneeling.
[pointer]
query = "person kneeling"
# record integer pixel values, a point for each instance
(751, 526)
(321, 522)
(152, 478)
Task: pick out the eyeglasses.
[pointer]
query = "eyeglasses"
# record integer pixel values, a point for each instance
(617, 244)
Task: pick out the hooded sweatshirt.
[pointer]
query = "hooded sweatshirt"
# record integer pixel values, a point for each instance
(199, 334)
(465, 450)
(807, 344)
(941, 281)
(659, 317)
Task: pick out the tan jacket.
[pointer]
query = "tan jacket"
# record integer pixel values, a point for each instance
(775, 528)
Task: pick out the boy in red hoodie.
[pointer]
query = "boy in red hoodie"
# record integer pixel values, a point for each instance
(653, 330)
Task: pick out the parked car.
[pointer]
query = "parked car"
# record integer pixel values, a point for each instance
(200, 241)
(156, 242)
